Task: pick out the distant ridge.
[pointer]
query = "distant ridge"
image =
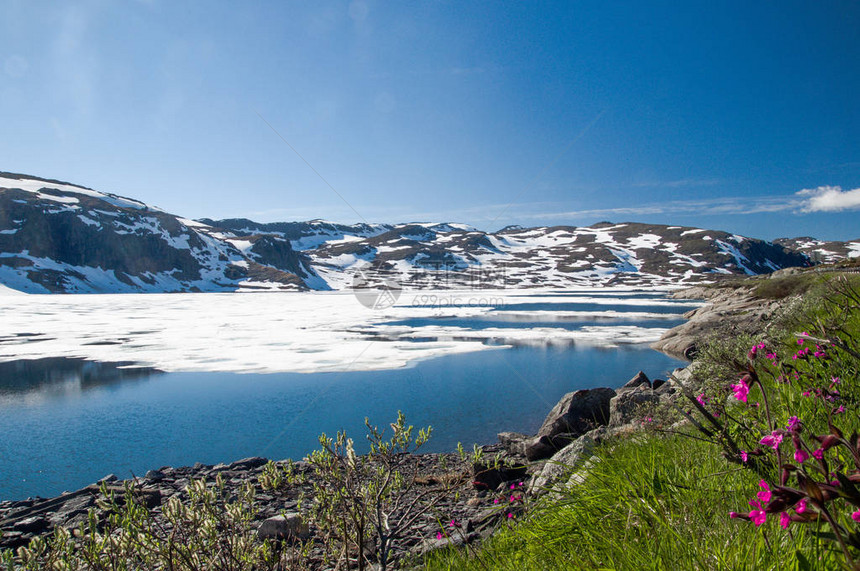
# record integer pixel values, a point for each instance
(59, 237)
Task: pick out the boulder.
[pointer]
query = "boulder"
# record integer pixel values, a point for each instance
(578, 412)
(282, 527)
(154, 476)
(575, 414)
(566, 459)
(540, 447)
(513, 442)
(640, 379)
(684, 376)
(624, 408)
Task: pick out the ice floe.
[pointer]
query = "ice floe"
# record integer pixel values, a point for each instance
(307, 332)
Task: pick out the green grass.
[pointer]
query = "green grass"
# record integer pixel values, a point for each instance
(661, 500)
(650, 503)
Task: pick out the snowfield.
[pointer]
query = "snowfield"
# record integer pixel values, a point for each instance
(312, 332)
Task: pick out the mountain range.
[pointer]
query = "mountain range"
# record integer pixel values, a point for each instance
(58, 237)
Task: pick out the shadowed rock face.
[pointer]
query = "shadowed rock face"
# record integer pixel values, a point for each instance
(61, 238)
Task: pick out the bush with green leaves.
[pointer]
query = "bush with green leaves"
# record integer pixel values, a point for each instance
(211, 530)
(365, 504)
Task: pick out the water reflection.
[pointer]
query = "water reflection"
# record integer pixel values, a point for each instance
(29, 381)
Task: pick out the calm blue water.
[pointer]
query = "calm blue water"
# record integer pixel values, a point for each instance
(65, 424)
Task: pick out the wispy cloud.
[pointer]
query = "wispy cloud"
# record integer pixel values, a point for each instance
(829, 199)
(715, 206)
(680, 183)
(821, 199)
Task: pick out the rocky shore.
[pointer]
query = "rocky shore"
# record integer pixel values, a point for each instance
(531, 464)
(737, 309)
(527, 463)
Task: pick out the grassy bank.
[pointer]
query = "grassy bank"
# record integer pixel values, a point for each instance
(661, 498)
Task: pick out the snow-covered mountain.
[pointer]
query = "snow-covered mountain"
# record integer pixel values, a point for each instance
(453, 255)
(820, 251)
(61, 237)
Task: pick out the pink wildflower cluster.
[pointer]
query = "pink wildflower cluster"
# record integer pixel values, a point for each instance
(742, 388)
(755, 349)
(765, 503)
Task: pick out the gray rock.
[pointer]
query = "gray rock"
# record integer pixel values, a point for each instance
(578, 412)
(248, 463)
(281, 527)
(82, 502)
(625, 407)
(566, 460)
(154, 476)
(513, 442)
(640, 379)
(540, 447)
(34, 524)
(108, 479)
(664, 389)
(684, 377)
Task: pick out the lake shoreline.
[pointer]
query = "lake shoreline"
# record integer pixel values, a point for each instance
(36, 517)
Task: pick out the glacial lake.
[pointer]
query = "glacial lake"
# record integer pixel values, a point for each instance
(67, 419)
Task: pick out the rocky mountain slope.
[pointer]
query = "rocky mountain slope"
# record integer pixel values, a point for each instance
(455, 255)
(820, 251)
(61, 237)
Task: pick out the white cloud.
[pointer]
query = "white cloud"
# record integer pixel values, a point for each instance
(829, 199)
(731, 205)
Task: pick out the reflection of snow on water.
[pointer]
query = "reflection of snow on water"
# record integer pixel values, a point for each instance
(303, 332)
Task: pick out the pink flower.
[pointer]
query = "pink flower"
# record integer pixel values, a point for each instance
(764, 495)
(438, 535)
(734, 515)
(773, 440)
(758, 517)
(800, 456)
(513, 486)
(818, 453)
(793, 423)
(806, 394)
(839, 410)
(800, 341)
(801, 506)
(510, 515)
(744, 456)
(496, 501)
(741, 389)
(856, 516)
(454, 523)
(701, 399)
(784, 520)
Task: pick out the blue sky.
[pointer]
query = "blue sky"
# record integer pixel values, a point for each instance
(712, 114)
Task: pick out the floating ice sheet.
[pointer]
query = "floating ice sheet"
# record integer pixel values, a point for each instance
(292, 332)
